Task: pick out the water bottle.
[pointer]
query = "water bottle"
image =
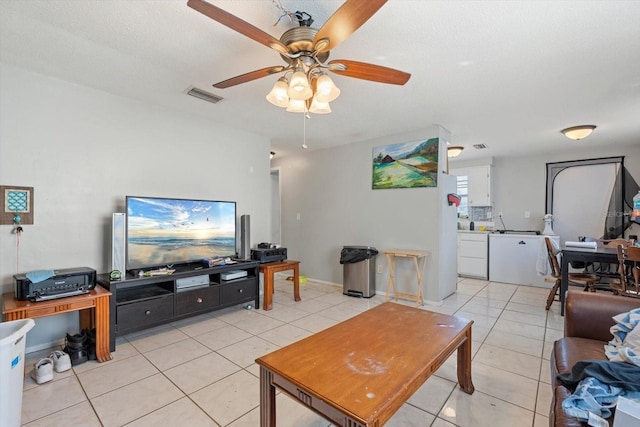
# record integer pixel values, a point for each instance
(636, 207)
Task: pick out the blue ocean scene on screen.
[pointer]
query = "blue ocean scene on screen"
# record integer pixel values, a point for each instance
(171, 231)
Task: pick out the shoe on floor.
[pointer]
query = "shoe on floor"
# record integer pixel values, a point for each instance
(42, 371)
(91, 344)
(77, 347)
(61, 361)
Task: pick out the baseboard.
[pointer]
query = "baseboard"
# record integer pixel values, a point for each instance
(323, 282)
(338, 285)
(44, 346)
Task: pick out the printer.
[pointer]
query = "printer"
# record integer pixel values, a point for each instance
(63, 283)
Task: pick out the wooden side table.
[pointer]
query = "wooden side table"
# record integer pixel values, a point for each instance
(269, 269)
(419, 263)
(93, 308)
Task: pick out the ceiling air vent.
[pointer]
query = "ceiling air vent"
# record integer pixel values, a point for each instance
(204, 95)
(479, 146)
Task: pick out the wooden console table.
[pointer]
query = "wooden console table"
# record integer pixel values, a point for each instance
(358, 373)
(392, 254)
(269, 269)
(93, 308)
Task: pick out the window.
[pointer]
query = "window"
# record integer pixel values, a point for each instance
(463, 192)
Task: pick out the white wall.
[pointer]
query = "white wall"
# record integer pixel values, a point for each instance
(84, 150)
(331, 191)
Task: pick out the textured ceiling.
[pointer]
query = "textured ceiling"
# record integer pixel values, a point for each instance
(508, 74)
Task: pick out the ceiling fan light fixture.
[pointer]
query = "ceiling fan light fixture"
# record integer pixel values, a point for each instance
(319, 107)
(326, 91)
(299, 88)
(278, 95)
(454, 150)
(305, 50)
(578, 132)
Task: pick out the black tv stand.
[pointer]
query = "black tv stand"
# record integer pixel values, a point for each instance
(140, 302)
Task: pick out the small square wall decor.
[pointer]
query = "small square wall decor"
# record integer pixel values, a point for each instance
(16, 202)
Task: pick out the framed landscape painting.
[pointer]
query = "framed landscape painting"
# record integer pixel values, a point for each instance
(406, 165)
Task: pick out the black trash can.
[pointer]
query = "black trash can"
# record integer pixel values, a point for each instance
(359, 276)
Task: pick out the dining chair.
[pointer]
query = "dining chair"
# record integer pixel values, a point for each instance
(629, 270)
(587, 281)
(608, 272)
(614, 243)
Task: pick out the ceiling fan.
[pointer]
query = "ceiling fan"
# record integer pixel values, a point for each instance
(305, 51)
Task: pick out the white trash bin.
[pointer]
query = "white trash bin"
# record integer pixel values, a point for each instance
(12, 341)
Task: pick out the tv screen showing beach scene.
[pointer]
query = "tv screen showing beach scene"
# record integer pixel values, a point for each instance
(164, 232)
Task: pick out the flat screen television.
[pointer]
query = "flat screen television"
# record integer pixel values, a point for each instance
(165, 232)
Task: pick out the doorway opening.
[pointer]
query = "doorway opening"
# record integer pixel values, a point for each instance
(276, 227)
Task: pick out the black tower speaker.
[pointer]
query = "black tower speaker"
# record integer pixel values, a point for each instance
(118, 242)
(245, 237)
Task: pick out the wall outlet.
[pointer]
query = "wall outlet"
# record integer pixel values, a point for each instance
(527, 214)
(380, 269)
(488, 214)
(298, 216)
(500, 214)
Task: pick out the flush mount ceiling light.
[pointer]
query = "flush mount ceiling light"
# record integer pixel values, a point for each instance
(454, 150)
(305, 50)
(578, 132)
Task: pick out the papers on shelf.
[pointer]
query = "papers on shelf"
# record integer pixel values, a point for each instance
(159, 272)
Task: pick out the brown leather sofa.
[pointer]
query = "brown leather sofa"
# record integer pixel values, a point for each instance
(587, 323)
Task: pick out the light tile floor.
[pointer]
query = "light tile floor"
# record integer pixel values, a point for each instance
(201, 371)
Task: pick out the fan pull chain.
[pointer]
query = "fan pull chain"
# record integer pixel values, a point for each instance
(305, 116)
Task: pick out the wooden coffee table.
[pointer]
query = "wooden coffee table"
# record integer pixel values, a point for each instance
(359, 372)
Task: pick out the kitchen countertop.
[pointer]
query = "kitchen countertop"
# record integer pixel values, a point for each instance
(464, 224)
(515, 233)
(475, 231)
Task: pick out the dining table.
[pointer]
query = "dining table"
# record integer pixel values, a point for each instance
(572, 254)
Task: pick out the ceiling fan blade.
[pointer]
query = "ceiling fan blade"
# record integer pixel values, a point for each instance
(244, 78)
(375, 73)
(237, 24)
(346, 20)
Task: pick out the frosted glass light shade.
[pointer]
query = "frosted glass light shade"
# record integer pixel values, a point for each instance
(454, 151)
(318, 107)
(326, 91)
(278, 95)
(578, 132)
(296, 106)
(299, 88)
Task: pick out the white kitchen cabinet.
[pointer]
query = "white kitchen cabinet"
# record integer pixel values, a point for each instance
(513, 258)
(473, 254)
(479, 185)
